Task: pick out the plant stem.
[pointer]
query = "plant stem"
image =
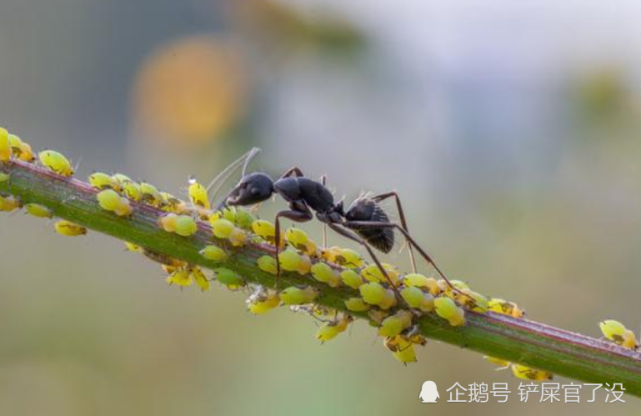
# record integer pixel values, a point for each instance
(516, 340)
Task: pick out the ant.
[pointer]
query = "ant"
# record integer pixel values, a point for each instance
(364, 221)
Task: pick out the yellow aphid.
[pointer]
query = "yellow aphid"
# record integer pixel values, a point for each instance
(244, 218)
(4, 177)
(505, 307)
(330, 330)
(348, 258)
(418, 299)
(56, 162)
(305, 265)
(377, 315)
(374, 274)
(222, 228)
(124, 209)
(229, 278)
(419, 280)
(150, 194)
(121, 179)
(185, 225)
(20, 149)
(38, 210)
(238, 237)
(266, 230)
(69, 229)
(497, 361)
(199, 277)
(395, 324)
(298, 239)
(617, 332)
(267, 264)
(629, 340)
(109, 200)
(168, 222)
(9, 203)
(372, 293)
(103, 181)
(447, 289)
(325, 274)
(180, 277)
(198, 194)
(290, 260)
(389, 300)
(448, 310)
(131, 190)
(402, 349)
(172, 204)
(472, 300)
(262, 301)
(296, 296)
(527, 373)
(351, 278)
(214, 253)
(133, 247)
(356, 305)
(5, 145)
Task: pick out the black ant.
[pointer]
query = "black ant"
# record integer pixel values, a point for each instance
(364, 221)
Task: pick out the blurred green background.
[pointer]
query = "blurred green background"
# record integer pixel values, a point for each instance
(511, 129)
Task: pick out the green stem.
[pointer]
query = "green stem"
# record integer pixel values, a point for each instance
(517, 340)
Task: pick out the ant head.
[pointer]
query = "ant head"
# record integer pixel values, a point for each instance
(252, 189)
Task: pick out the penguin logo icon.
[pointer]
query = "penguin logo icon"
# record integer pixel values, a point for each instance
(429, 392)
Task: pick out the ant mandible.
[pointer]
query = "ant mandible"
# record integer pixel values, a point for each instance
(364, 222)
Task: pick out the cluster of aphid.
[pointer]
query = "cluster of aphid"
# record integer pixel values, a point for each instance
(391, 300)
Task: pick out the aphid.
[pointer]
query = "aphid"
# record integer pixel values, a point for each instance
(38, 210)
(351, 278)
(266, 231)
(150, 195)
(244, 218)
(331, 330)
(4, 177)
(356, 305)
(181, 277)
(497, 361)
(131, 190)
(401, 348)
(5, 145)
(505, 307)
(448, 287)
(168, 222)
(186, 225)
(222, 228)
(262, 300)
(103, 181)
(472, 300)
(172, 204)
(290, 260)
(229, 278)
(418, 299)
(305, 265)
(199, 277)
(348, 258)
(9, 203)
(238, 237)
(296, 296)
(617, 332)
(198, 194)
(121, 178)
(418, 280)
(372, 293)
(267, 264)
(133, 247)
(56, 162)
(298, 239)
(395, 324)
(20, 149)
(377, 316)
(527, 373)
(110, 200)
(373, 273)
(214, 253)
(448, 310)
(389, 300)
(69, 229)
(325, 274)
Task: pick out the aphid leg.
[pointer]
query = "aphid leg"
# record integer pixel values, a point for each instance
(410, 240)
(401, 214)
(348, 234)
(323, 180)
(299, 212)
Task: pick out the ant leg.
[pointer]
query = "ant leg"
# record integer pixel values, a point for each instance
(401, 214)
(323, 180)
(294, 171)
(410, 240)
(348, 234)
(299, 213)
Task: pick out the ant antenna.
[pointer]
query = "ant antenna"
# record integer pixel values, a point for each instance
(223, 176)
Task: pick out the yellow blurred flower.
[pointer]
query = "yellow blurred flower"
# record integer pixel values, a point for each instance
(189, 91)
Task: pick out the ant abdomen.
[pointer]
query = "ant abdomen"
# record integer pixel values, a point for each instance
(367, 210)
